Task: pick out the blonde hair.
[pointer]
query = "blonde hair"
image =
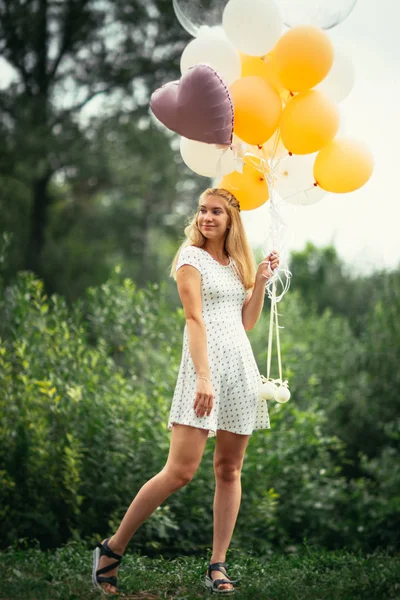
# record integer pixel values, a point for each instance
(236, 244)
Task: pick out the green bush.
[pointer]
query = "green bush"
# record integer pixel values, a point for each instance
(78, 434)
(85, 394)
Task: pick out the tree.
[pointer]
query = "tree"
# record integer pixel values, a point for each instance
(123, 207)
(64, 53)
(318, 273)
(324, 281)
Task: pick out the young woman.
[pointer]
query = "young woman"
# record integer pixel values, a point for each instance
(217, 392)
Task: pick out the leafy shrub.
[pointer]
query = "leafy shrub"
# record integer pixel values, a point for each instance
(85, 394)
(77, 433)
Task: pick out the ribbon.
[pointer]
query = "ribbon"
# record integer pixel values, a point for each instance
(274, 323)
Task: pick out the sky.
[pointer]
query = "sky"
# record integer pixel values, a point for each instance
(363, 225)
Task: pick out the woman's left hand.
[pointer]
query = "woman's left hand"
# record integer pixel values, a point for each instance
(267, 267)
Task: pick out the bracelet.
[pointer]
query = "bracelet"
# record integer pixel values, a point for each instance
(205, 378)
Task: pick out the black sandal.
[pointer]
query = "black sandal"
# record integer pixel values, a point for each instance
(214, 585)
(97, 574)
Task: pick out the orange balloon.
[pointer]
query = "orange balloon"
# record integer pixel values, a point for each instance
(249, 187)
(257, 109)
(309, 121)
(261, 66)
(303, 57)
(343, 166)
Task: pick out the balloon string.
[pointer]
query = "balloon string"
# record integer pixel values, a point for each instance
(268, 165)
(277, 230)
(278, 345)
(276, 236)
(276, 143)
(274, 322)
(271, 328)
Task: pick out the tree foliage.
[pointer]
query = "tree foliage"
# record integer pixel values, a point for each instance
(124, 208)
(64, 55)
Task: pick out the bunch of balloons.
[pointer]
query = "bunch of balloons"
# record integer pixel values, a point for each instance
(257, 108)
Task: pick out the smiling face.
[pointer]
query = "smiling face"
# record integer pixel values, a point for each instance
(213, 218)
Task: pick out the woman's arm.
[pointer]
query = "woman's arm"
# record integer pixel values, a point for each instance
(188, 280)
(253, 305)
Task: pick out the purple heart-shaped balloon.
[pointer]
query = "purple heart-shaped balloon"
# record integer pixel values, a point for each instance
(198, 106)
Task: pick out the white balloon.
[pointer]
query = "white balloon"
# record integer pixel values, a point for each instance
(207, 159)
(294, 180)
(321, 13)
(197, 16)
(282, 394)
(340, 79)
(253, 26)
(216, 30)
(216, 52)
(268, 390)
(307, 197)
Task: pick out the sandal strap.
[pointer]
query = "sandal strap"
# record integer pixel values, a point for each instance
(216, 566)
(108, 568)
(111, 580)
(232, 581)
(105, 550)
(218, 582)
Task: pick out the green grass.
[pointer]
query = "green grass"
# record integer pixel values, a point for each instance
(65, 574)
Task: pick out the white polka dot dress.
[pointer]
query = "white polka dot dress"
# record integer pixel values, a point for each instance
(234, 373)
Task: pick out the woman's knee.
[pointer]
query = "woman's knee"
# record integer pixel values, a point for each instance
(227, 471)
(179, 477)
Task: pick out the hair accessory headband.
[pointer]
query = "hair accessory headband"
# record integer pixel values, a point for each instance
(230, 198)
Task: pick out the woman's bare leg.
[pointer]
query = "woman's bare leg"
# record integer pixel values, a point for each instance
(185, 453)
(228, 461)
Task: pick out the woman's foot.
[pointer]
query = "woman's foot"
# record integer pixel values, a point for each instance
(217, 571)
(108, 554)
(221, 575)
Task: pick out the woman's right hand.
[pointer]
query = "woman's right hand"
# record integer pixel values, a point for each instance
(204, 400)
